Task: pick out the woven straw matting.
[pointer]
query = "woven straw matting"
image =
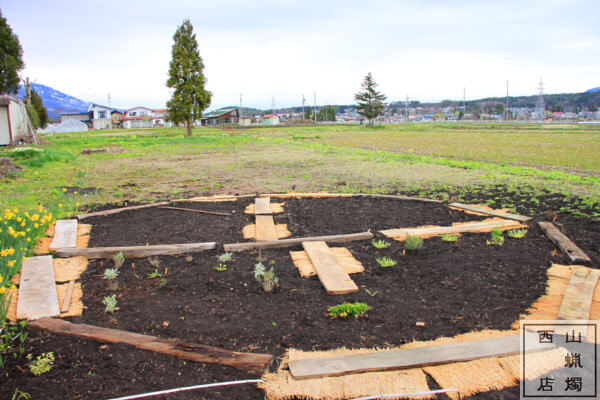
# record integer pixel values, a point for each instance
(249, 231)
(275, 208)
(469, 378)
(341, 254)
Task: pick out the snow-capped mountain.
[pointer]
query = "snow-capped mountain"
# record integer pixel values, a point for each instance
(56, 102)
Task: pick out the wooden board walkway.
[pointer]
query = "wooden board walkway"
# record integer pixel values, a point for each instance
(265, 228)
(278, 244)
(411, 358)
(135, 251)
(333, 277)
(254, 363)
(577, 300)
(262, 205)
(37, 289)
(65, 234)
(487, 211)
(563, 242)
(483, 226)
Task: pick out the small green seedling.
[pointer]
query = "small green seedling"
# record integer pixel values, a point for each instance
(162, 282)
(346, 310)
(110, 273)
(267, 279)
(446, 237)
(497, 238)
(111, 303)
(386, 262)
(42, 363)
(221, 267)
(154, 261)
(517, 233)
(225, 257)
(370, 293)
(413, 242)
(118, 259)
(154, 274)
(380, 244)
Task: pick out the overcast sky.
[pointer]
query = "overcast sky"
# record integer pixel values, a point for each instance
(429, 50)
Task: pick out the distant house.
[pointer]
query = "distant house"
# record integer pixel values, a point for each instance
(76, 116)
(246, 121)
(14, 121)
(100, 116)
(223, 116)
(144, 117)
(115, 116)
(270, 119)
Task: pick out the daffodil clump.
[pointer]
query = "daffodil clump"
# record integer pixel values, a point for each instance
(19, 231)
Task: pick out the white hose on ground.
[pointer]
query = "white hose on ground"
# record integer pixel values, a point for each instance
(400, 395)
(182, 389)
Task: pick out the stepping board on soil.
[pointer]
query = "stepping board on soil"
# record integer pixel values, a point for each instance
(265, 225)
(577, 301)
(334, 278)
(411, 358)
(563, 242)
(65, 234)
(37, 290)
(482, 226)
(341, 254)
(488, 211)
(262, 205)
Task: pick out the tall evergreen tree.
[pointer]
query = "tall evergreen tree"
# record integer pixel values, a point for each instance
(42, 113)
(186, 77)
(370, 101)
(11, 58)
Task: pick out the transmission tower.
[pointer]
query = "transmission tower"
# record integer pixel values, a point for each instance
(540, 105)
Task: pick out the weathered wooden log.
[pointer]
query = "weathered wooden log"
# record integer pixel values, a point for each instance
(397, 197)
(198, 211)
(563, 242)
(118, 210)
(135, 251)
(253, 363)
(487, 211)
(276, 244)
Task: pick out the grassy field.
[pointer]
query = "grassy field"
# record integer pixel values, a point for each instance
(425, 159)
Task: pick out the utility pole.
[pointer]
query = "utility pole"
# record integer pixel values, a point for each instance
(240, 112)
(315, 109)
(507, 100)
(27, 91)
(109, 99)
(272, 104)
(303, 100)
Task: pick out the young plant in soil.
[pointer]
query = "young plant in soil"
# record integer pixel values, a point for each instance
(154, 274)
(225, 257)
(497, 238)
(111, 304)
(12, 340)
(267, 279)
(517, 233)
(42, 364)
(446, 237)
(110, 275)
(222, 267)
(413, 242)
(118, 259)
(346, 310)
(386, 262)
(380, 244)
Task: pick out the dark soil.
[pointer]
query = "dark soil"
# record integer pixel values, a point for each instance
(453, 287)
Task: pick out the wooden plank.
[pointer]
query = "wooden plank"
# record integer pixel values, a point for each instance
(277, 244)
(66, 304)
(119, 210)
(65, 234)
(333, 277)
(487, 211)
(254, 363)
(577, 301)
(563, 242)
(261, 205)
(265, 228)
(135, 251)
(412, 358)
(37, 289)
(462, 228)
(197, 211)
(397, 197)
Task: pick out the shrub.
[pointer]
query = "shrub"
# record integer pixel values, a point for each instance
(413, 242)
(267, 279)
(380, 244)
(346, 310)
(386, 262)
(446, 237)
(42, 363)
(517, 233)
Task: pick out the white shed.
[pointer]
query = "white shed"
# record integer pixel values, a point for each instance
(14, 121)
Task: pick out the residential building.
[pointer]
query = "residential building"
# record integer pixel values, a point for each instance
(222, 116)
(76, 116)
(270, 119)
(115, 116)
(100, 116)
(144, 117)
(15, 126)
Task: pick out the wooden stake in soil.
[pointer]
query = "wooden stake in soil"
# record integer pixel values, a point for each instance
(563, 242)
(253, 363)
(66, 304)
(136, 251)
(277, 244)
(198, 211)
(333, 277)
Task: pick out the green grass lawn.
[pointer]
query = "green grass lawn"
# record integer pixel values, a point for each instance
(425, 159)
